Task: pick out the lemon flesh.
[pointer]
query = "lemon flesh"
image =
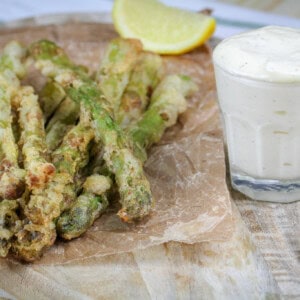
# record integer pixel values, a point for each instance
(162, 29)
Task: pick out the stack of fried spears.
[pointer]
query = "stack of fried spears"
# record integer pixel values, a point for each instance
(62, 153)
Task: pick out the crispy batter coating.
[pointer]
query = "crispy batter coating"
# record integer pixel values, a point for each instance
(115, 69)
(12, 182)
(47, 204)
(32, 240)
(61, 122)
(50, 97)
(9, 224)
(97, 184)
(167, 102)
(35, 153)
(144, 78)
(12, 59)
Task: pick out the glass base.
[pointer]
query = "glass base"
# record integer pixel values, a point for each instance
(266, 189)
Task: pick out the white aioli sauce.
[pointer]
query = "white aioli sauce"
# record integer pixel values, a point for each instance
(258, 83)
(271, 53)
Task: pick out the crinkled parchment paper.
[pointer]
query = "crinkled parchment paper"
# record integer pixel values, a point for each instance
(186, 169)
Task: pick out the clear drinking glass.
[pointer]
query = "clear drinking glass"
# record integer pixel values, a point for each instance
(261, 119)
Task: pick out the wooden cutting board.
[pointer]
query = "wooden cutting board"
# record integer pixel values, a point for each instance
(230, 269)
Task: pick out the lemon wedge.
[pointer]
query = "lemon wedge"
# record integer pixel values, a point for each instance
(162, 29)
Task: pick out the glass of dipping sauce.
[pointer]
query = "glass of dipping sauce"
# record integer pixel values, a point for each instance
(258, 84)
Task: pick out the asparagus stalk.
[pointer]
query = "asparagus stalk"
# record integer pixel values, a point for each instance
(9, 224)
(115, 69)
(144, 78)
(56, 134)
(134, 188)
(62, 121)
(86, 209)
(68, 112)
(51, 96)
(46, 205)
(12, 59)
(167, 102)
(12, 182)
(35, 153)
(121, 58)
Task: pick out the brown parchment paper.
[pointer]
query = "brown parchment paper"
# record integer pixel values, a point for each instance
(186, 169)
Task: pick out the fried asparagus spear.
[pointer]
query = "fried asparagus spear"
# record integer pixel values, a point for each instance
(50, 97)
(45, 205)
(115, 69)
(35, 153)
(167, 102)
(9, 224)
(12, 59)
(12, 182)
(62, 121)
(134, 188)
(145, 76)
(87, 208)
